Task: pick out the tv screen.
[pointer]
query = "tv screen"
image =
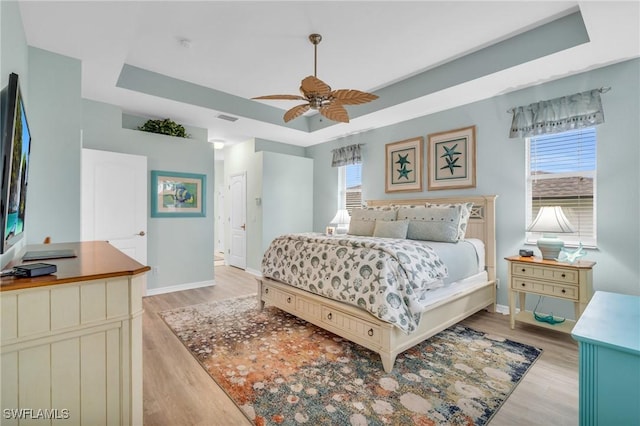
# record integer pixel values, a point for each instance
(16, 146)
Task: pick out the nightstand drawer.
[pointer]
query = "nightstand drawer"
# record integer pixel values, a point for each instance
(560, 275)
(544, 288)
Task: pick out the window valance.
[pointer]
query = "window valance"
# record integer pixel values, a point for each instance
(558, 115)
(346, 155)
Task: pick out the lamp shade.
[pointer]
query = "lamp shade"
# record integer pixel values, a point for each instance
(551, 219)
(341, 218)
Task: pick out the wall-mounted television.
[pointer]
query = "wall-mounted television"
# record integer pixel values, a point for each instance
(16, 146)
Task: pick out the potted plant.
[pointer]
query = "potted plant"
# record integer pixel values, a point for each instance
(165, 127)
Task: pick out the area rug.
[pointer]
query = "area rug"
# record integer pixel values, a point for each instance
(282, 370)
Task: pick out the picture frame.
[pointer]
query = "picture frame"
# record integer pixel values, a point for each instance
(403, 165)
(329, 231)
(177, 194)
(451, 159)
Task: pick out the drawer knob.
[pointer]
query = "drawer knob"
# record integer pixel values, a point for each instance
(266, 291)
(563, 275)
(564, 291)
(523, 269)
(524, 285)
(329, 315)
(288, 300)
(370, 332)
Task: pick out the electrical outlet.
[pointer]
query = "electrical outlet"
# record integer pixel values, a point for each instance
(497, 282)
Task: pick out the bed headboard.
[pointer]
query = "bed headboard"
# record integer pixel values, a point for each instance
(482, 223)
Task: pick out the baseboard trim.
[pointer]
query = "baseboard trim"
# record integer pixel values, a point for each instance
(179, 287)
(502, 309)
(254, 272)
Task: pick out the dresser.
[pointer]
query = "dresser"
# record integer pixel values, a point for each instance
(71, 343)
(540, 277)
(608, 335)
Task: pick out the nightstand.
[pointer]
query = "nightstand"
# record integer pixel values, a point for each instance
(534, 275)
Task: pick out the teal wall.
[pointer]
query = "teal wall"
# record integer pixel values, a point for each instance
(287, 195)
(180, 250)
(284, 185)
(61, 122)
(14, 57)
(55, 120)
(500, 166)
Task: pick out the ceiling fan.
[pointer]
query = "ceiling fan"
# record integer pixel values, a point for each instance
(318, 95)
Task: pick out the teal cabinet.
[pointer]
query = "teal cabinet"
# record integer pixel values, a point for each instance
(608, 334)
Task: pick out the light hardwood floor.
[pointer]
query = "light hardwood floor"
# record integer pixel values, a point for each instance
(177, 391)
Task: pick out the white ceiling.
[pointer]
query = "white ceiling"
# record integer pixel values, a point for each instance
(249, 49)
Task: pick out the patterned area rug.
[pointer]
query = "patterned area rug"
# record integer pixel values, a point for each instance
(282, 370)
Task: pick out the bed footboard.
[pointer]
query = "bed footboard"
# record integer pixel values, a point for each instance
(360, 327)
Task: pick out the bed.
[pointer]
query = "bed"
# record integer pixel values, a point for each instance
(392, 329)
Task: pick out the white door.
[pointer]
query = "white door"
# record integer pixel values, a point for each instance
(238, 221)
(114, 201)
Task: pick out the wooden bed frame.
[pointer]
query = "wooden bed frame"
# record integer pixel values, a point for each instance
(387, 340)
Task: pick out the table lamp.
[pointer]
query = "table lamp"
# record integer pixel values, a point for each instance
(550, 221)
(341, 220)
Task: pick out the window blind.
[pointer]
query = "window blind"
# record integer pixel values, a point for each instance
(561, 171)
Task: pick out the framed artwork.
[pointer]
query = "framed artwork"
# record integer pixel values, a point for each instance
(403, 165)
(451, 159)
(329, 230)
(175, 194)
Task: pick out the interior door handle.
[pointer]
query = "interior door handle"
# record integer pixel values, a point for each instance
(243, 227)
(141, 233)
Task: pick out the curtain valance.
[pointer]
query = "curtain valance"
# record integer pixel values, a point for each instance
(558, 115)
(346, 155)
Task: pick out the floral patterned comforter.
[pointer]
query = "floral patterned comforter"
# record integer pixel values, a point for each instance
(384, 276)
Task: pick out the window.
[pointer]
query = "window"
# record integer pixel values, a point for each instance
(350, 182)
(561, 171)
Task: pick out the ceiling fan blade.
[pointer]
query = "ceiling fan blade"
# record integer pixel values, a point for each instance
(296, 111)
(282, 97)
(313, 85)
(352, 97)
(336, 112)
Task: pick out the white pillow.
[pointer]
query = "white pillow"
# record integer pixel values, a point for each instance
(391, 228)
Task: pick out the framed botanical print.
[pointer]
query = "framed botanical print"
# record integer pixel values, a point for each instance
(451, 159)
(403, 165)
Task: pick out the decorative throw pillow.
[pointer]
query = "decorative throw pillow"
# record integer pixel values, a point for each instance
(432, 224)
(465, 214)
(391, 228)
(374, 213)
(361, 227)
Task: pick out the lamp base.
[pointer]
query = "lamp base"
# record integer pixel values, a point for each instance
(550, 246)
(342, 229)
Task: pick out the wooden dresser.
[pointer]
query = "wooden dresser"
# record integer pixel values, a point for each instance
(71, 343)
(608, 335)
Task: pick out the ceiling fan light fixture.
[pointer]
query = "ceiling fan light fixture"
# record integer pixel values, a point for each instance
(319, 95)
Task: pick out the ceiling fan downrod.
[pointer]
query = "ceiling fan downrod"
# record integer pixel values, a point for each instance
(315, 39)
